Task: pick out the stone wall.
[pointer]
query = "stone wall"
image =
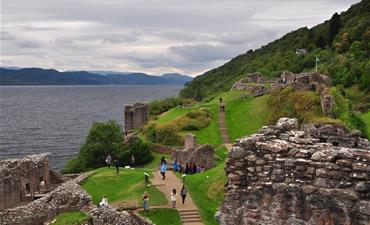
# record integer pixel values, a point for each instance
(282, 175)
(201, 155)
(69, 196)
(21, 178)
(135, 116)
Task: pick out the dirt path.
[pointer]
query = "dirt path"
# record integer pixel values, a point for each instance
(188, 212)
(223, 131)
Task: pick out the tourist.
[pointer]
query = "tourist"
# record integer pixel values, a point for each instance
(199, 169)
(104, 201)
(116, 163)
(183, 193)
(222, 107)
(187, 168)
(220, 100)
(175, 166)
(163, 170)
(146, 201)
(180, 167)
(108, 160)
(194, 168)
(132, 161)
(163, 160)
(173, 198)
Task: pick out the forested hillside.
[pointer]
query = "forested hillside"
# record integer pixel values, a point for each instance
(342, 44)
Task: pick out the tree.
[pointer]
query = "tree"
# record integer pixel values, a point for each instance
(334, 26)
(107, 139)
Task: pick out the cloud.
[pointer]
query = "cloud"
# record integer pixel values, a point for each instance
(203, 52)
(149, 36)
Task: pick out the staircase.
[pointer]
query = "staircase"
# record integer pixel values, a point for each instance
(190, 216)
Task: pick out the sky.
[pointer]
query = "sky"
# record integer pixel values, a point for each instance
(151, 36)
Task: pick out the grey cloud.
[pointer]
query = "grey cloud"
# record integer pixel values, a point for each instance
(118, 40)
(204, 52)
(28, 44)
(190, 36)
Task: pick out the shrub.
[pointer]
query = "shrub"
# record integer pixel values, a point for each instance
(103, 139)
(168, 135)
(299, 104)
(157, 107)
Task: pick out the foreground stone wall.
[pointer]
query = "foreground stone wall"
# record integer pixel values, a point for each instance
(135, 116)
(22, 177)
(283, 175)
(67, 197)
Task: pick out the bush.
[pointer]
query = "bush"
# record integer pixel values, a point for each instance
(103, 139)
(299, 104)
(168, 135)
(157, 107)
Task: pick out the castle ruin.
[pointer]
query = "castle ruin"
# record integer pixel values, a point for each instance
(135, 116)
(22, 179)
(319, 175)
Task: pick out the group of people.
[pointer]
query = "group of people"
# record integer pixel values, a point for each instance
(116, 162)
(190, 168)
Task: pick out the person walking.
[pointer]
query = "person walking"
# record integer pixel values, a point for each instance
(183, 193)
(116, 163)
(146, 201)
(163, 170)
(173, 198)
(108, 160)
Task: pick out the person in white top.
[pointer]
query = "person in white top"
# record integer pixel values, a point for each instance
(173, 198)
(104, 201)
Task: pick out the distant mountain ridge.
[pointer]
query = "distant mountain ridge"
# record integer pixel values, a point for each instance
(38, 76)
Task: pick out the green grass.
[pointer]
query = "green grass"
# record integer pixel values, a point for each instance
(207, 192)
(366, 118)
(244, 116)
(173, 114)
(122, 190)
(70, 218)
(222, 152)
(162, 216)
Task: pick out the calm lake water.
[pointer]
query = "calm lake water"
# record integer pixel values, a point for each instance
(56, 119)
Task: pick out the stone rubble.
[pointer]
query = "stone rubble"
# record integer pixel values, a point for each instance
(319, 175)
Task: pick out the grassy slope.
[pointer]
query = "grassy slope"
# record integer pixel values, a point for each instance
(70, 218)
(246, 116)
(163, 216)
(206, 190)
(210, 134)
(366, 118)
(127, 186)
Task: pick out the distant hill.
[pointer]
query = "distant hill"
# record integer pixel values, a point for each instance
(37, 76)
(342, 45)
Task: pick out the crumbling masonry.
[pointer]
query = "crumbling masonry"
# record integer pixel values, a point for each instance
(135, 116)
(319, 175)
(21, 179)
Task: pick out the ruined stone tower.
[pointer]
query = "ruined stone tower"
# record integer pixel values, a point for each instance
(135, 115)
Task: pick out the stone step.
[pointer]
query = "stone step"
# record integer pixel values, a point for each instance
(191, 221)
(188, 210)
(190, 218)
(189, 214)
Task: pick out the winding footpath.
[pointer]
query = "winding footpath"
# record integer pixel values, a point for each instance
(223, 131)
(188, 212)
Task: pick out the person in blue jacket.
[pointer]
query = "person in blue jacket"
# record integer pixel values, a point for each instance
(163, 170)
